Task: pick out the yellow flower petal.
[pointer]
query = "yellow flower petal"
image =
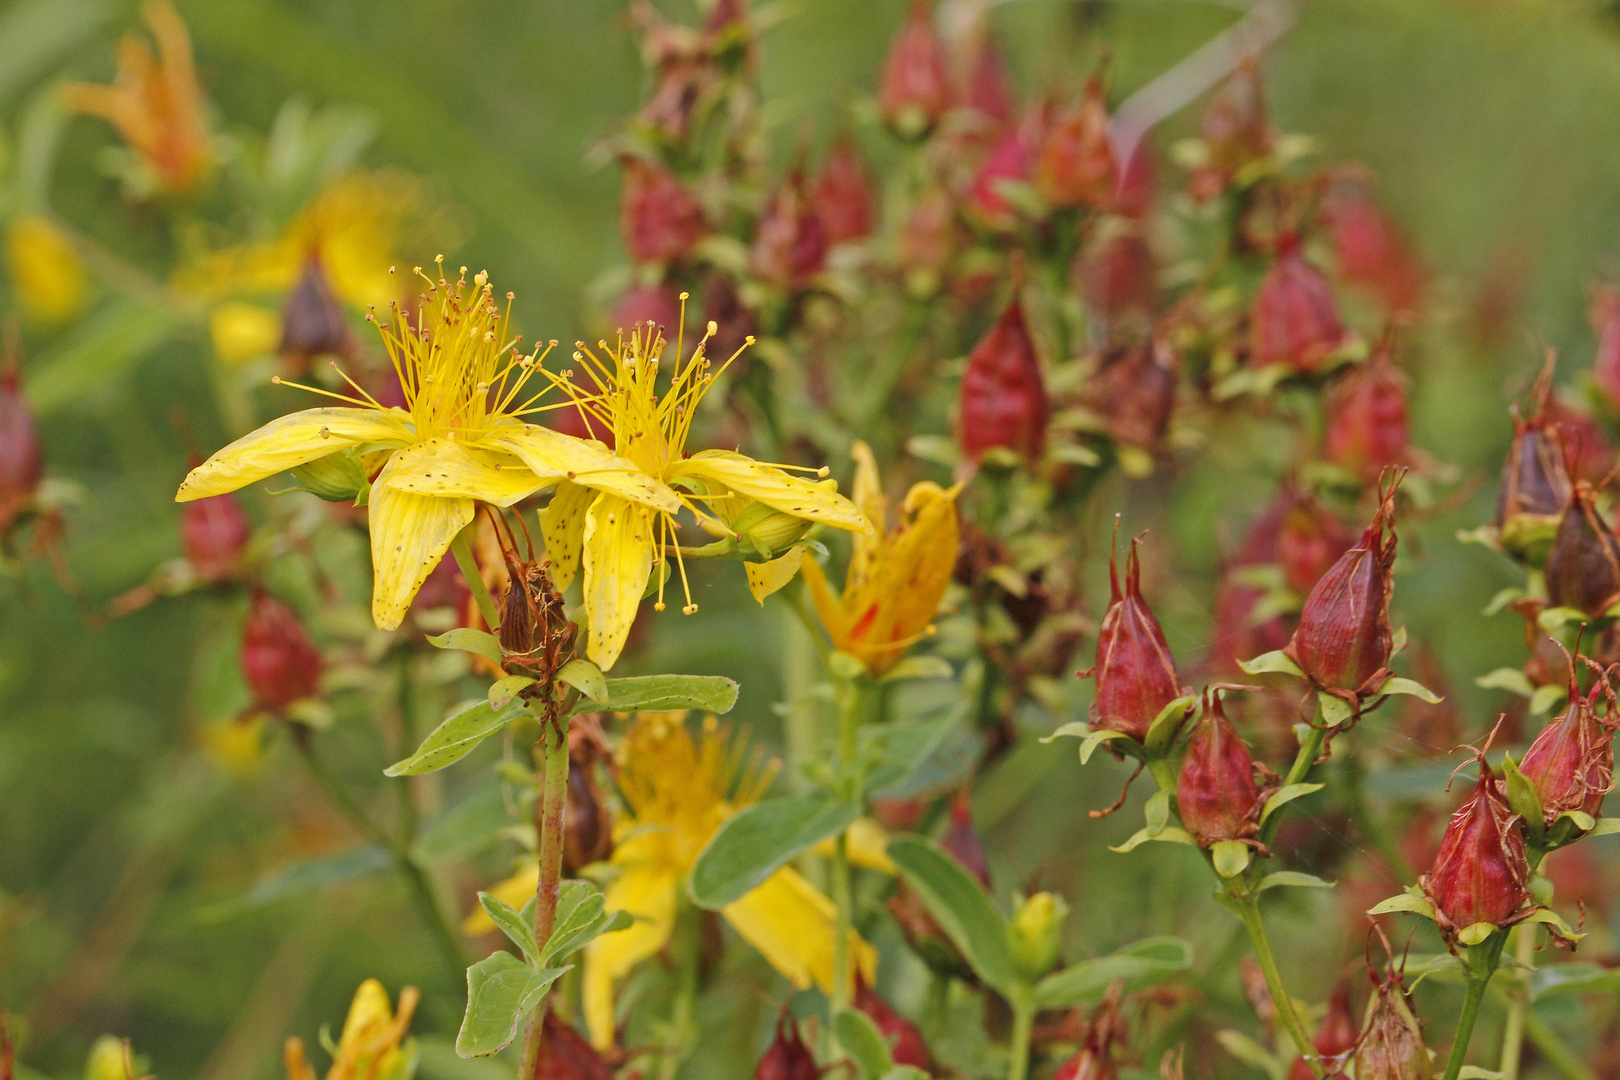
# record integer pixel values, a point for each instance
(868, 495)
(767, 577)
(409, 535)
(827, 606)
(868, 844)
(775, 488)
(562, 524)
(516, 890)
(453, 470)
(287, 442)
(618, 560)
(243, 332)
(648, 893)
(894, 607)
(368, 1010)
(553, 455)
(792, 925)
(45, 269)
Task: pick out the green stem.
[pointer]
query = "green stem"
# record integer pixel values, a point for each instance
(1249, 910)
(1551, 1048)
(407, 744)
(1482, 961)
(1310, 748)
(1518, 1001)
(686, 947)
(858, 697)
(844, 901)
(550, 817)
(1023, 1027)
(462, 552)
(445, 937)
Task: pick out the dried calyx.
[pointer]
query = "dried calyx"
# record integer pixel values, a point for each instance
(1135, 673)
(1391, 1043)
(1570, 765)
(1535, 488)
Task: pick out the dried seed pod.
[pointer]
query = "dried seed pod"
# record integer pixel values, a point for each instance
(1583, 567)
(213, 532)
(1075, 164)
(1135, 673)
(279, 661)
(565, 1054)
(913, 91)
(1216, 793)
(1003, 402)
(1295, 320)
(660, 220)
(842, 196)
(1480, 873)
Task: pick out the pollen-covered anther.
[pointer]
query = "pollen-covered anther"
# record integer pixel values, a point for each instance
(689, 609)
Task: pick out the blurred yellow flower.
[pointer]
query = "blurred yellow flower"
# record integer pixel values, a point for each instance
(620, 542)
(679, 789)
(45, 270)
(867, 844)
(460, 439)
(895, 582)
(243, 332)
(237, 746)
(155, 102)
(370, 1047)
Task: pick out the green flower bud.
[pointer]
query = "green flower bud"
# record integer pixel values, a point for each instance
(768, 531)
(1035, 932)
(338, 477)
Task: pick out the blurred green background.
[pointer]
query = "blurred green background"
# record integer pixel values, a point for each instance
(1494, 129)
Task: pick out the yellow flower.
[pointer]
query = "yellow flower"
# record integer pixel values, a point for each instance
(679, 790)
(460, 439)
(895, 582)
(243, 332)
(619, 542)
(46, 271)
(369, 1048)
(155, 102)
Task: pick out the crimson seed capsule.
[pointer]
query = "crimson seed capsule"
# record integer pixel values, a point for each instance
(790, 245)
(1391, 1046)
(1075, 164)
(1008, 161)
(1583, 567)
(1535, 485)
(1003, 393)
(987, 92)
(21, 461)
(566, 1055)
(1135, 673)
(1295, 320)
(661, 221)
(1344, 641)
(1310, 540)
(842, 197)
(961, 840)
(588, 828)
(1571, 763)
(1480, 872)
(1135, 391)
(787, 1058)
(1372, 253)
(906, 1043)
(913, 91)
(1216, 794)
(1367, 419)
(1335, 1033)
(312, 320)
(280, 663)
(213, 532)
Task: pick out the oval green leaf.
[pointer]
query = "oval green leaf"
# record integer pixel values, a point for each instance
(1145, 963)
(456, 738)
(501, 989)
(710, 693)
(753, 843)
(960, 905)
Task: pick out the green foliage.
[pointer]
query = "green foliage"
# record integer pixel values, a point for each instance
(753, 843)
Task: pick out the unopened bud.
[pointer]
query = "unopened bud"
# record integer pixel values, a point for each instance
(1003, 399)
(1035, 932)
(1372, 253)
(1295, 320)
(1344, 641)
(906, 1043)
(1075, 164)
(1391, 1046)
(279, 662)
(213, 532)
(913, 91)
(1134, 390)
(787, 1058)
(1535, 485)
(312, 320)
(1367, 421)
(843, 196)
(1009, 161)
(517, 618)
(588, 828)
(1583, 567)
(1571, 763)
(1135, 673)
(768, 530)
(566, 1055)
(987, 92)
(1480, 872)
(1309, 542)
(1216, 793)
(339, 477)
(660, 220)
(790, 246)
(21, 461)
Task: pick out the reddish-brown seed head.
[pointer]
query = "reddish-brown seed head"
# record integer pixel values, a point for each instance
(913, 91)
(1216, 794)
(1480, 872)
(213, 532)
(279, 662)
(1295, 319)
(660, 220)
(1135, 673)
(787, 1058)
(1075, 164)
(1004, 399)
(790, 244)
(566, 1055)
(842, 197)
(1367, 424)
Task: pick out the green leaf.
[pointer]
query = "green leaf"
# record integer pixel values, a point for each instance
(1277, 662)
(1554, 980)
(757, 840)
(464, 828)
(585, 677)
(467, 639)
(903, 748)
(1524, 801)
(455, 738)
(906, 1072)
(1170, 834)
(1476, 933)
(513, 925)
(1293, 878)
(960, 906)
(34, 34)
(1511, 679)
(1605, 827)
(1476, 1072)
(1231, 857)
(918, 667)
(1157, 812)
(1335, 710)
(1404, 901)
(1397, 685)
(1551, 918)
(1554, 617)
(501, 989)
(709, 693)
(576, 924)
(862, 1041)
(1284, 795)
(502, 691)
(1076, 728)
(1142, 964)
(302, 878)
(1089, 744)
(1163, 730)
(1545, 697)
(1502, 599)
(86, 363)
(1250, 1052)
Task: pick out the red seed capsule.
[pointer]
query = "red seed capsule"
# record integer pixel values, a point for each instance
(21, 461)
(1134, 390)
(1136, 675)
(1480, 872)
(1236, 128)
(1335, 1034)
(213, 532)
(906, 1043)
(787, 1058)
(1391, 1045)
(1583, 567)
(312, 320)
(913, 91)
(790, 245)
(1367, 419)
(1372, 253)
(1311, 539)
(1216, 793)
(1295, 320)
(1009, 160)
(987, 91)
(588, 826)
(1003, 393)
(1103, 1032)
(660, 220)
(656, 305)
(566, 1055)
(1571, 763)
(1075, 164)
(279, 662)
(961, 841)
(1344, 640)
(842, 197)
